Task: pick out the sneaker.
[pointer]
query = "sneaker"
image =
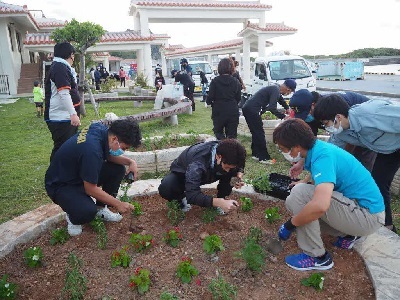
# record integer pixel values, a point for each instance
(346, 242)
(220, 211)
(255, 158)
(304, 262)
(108, 215)
(73, 229)
(268, 161)
(185, 206)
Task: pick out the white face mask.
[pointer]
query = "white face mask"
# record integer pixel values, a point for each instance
(332, 129)
(291, 159)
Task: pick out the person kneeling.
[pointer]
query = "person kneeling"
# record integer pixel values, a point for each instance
(344, 200)
(204, 163)
(87, 161)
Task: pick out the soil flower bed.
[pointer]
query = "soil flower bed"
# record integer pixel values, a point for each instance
(347, 279)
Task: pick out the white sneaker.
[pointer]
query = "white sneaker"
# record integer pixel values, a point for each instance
(185, 206)
(73, 230)
(108, 215)
(255, 158)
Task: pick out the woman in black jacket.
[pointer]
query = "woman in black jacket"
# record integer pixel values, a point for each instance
(224, 97)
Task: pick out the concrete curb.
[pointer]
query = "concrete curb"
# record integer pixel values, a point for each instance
(380, 251)
(389, 95)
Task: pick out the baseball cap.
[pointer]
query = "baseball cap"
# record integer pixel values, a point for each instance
(173, 72)
(301, 103)
(291, 84)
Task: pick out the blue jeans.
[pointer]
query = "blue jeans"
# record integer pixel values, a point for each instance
(204, 87)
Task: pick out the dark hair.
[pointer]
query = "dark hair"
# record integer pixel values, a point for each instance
(63, 50)
(294, 132)
(36, 83)
(329, 106)
(232, 152)
(225, 66)
(316, 96)
(127, 131)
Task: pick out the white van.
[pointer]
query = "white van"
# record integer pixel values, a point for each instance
(276, 69)
(197, 66)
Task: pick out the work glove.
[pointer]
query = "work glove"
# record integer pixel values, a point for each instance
(286, 230)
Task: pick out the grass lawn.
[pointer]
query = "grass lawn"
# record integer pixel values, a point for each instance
(26, 147)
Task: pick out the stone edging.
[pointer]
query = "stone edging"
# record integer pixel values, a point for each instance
(380, 251)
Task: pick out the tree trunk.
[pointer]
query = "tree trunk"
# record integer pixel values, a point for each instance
(91, 98)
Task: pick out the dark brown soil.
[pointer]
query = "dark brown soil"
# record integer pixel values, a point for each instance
(348, 279)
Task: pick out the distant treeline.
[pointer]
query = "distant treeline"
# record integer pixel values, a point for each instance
(360, 53)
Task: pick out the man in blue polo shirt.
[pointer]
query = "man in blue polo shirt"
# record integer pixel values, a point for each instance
(344, 200)
(90, 165)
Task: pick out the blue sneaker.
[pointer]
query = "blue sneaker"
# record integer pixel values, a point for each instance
(346, 242)
(304, 262)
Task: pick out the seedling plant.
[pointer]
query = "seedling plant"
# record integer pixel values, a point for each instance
(120, 258)
(315, 280)
(246, 204)
(213, 244)
(175, 214)
(222, 290)
(168, 296)
(75, 283)
(138, 209)
(141, 242)
(262, 184)
(140, 280)
(8, 290)
(254, 234)
(252, 252)
(59, 236)
(272, 214)
(186, 271)
(33, 256)
(209, 215)
(98, 226)
(173, 237)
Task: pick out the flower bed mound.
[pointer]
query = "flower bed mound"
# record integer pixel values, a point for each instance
(348, 278)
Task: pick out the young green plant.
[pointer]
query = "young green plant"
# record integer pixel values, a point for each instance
(213, 244)
(261, 184)
(98, 226)
(75, 282)
(186, 271)
(173, 237)
(120, 258)
(175, 214)
(59, 236)
(141, 242)
(8, 290)
(209, 215)
(140, 280)
(272, 214)
(33, 256)
(246, 204)
(168, 296)
(222, 290)
(315, 280)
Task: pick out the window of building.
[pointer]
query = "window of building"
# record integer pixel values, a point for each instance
(11, 40)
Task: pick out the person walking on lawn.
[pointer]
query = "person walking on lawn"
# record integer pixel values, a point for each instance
(343, 201)
(205, 163)
(263, 100)
(374, 125)
(90, 166)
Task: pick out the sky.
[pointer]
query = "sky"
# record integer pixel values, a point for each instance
(324, 27)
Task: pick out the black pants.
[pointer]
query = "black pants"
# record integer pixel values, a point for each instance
(385, 167)
(77, 204)
(225, 125)
(188, 91)
(60, 133)
(172, 187)
(97, 85)
(122, 79)
(258, 142)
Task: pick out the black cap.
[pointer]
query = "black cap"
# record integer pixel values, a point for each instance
(291, 84)
(173, 72)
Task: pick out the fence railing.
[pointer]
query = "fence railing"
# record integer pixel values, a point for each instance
(4, 85)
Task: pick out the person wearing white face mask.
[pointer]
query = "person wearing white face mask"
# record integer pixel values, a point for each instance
(343, 201)
(373, 124)
(91, 165)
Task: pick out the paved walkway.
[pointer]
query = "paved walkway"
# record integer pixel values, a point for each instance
(380, 251)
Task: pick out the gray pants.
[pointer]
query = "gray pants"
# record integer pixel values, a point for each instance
(344, 217)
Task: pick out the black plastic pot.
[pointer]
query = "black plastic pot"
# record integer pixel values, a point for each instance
(279, 186)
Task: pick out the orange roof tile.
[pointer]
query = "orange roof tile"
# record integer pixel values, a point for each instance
(203, 3)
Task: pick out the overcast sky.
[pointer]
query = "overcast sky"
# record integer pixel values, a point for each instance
(324, 27)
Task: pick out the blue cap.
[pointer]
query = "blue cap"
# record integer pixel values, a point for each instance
(301, 102)
(291, 84)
